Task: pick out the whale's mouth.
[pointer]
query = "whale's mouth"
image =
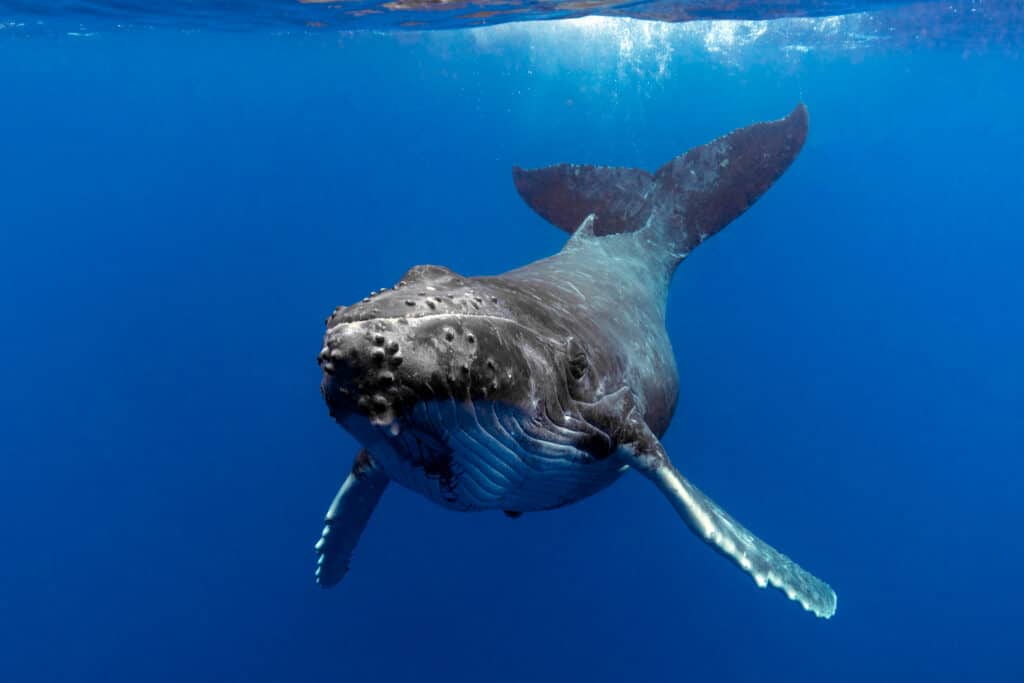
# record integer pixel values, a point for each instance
(411, 317)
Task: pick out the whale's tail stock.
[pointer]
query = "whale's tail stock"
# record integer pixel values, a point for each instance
(689, 199)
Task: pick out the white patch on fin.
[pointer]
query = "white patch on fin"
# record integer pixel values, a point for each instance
(346, 519)
(764, 563)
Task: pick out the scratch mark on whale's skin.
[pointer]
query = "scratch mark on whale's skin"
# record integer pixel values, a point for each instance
(536, 388)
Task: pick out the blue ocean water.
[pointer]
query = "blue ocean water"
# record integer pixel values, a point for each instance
(182, 208)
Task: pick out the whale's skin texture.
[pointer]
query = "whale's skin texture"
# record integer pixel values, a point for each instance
(533, 389)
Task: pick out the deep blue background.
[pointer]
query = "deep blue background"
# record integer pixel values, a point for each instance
(179, 213)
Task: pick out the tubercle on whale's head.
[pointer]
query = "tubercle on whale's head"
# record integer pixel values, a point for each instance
(423, 291)
(434, 336)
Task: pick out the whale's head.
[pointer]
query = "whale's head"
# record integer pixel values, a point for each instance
(437, 338)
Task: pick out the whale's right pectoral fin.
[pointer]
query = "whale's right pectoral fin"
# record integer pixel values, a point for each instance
(347, 517)
(717, 528)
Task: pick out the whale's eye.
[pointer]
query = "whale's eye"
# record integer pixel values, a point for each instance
(579, 363)
(578, 367)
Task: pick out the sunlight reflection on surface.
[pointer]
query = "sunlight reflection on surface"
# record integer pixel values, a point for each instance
(648, 48)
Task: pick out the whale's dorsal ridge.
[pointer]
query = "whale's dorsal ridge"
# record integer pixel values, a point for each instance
(687, 200)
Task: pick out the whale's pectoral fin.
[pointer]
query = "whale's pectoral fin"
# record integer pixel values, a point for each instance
(763, 562)
(347, 517)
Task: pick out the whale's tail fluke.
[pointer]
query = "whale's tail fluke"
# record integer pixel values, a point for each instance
(690, 198)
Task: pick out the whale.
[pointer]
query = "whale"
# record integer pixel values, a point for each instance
(539, 387)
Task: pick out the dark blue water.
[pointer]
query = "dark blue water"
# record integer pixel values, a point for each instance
(179, 212)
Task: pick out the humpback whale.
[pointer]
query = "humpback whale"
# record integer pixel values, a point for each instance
(536, 388)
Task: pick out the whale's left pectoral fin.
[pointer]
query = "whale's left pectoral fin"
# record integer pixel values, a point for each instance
(716, 527)
(347, 517)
